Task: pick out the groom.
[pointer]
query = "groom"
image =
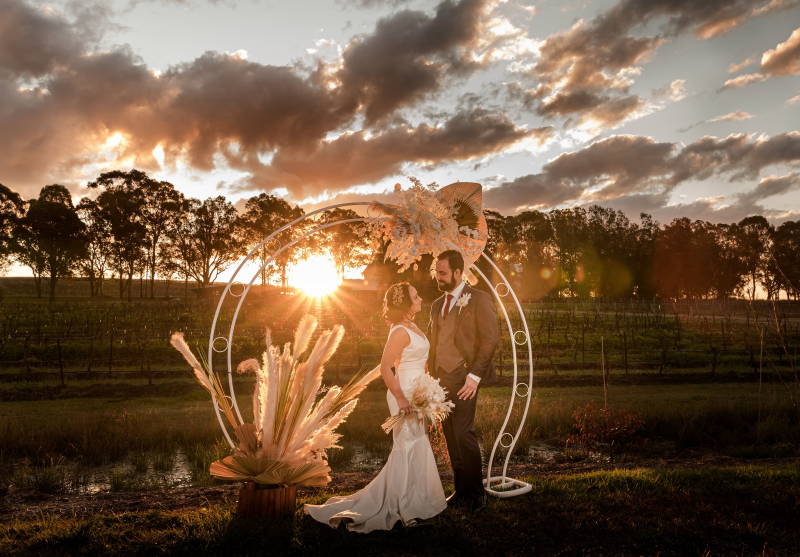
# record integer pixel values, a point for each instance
(464, 333)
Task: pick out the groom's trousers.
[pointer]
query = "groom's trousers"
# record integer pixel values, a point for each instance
(462, 440)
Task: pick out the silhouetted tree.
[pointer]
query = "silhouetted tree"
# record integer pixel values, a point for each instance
(569, 237)
(644, 247)
(784, 264)
(684, 259)
(263, 215)
(121, 206)
(98, 245)
(347, 243)
(209, 239)
(530, 240)
(50, 237)
(11, 210)
(608, 253)
(727, 262)
(754, 245)
(162, 209)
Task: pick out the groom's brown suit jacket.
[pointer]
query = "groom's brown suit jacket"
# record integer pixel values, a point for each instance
(476, 334)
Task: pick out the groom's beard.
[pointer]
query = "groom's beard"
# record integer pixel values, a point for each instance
(446, 286)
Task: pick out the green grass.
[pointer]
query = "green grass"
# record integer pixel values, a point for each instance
(144, 433)
(749, 510)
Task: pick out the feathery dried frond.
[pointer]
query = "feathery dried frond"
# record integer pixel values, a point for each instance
(179, 343)
(293, 422)
(303, 333)
(247, 366)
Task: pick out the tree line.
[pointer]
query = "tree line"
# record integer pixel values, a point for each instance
(599, 252)
(139, 227)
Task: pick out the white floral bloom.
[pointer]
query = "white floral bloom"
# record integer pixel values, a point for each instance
(463, 300)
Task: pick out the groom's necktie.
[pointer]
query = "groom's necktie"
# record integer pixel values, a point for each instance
(447, 298)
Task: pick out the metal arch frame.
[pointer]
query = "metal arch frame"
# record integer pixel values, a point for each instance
(495, 485)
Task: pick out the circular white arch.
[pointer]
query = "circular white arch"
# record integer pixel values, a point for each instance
(498, 485)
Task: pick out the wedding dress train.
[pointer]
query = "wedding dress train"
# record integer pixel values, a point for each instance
(408, 487)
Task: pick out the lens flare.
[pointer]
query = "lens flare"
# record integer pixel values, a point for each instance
(315, 276)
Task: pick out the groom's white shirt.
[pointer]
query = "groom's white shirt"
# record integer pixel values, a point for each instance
(455, 293)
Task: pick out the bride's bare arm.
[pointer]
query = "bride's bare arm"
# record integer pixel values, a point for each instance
(397, 341)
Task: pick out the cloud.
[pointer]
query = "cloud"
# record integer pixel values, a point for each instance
(730, 117)
(584, 74)
(408, 56)
(714, 209)
(640, 168)
(359, 158)
(769, 186)
(34, 42)
(222, 107)
(784, 59)
(780, 61)
(743, 80)
(735, 68)
(793, 100)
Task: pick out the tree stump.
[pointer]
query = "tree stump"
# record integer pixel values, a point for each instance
(266, 501)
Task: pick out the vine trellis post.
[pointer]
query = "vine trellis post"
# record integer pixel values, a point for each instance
(221, 343)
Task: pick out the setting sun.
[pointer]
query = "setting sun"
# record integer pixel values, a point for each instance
(316, 276)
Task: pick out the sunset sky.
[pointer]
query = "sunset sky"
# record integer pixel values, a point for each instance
(675, 108)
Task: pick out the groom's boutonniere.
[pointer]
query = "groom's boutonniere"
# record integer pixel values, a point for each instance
(463, 300)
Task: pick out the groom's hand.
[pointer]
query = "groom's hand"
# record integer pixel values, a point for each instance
(468, 390)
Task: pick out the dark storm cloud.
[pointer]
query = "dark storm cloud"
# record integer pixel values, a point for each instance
(627, 166)
(408, 56)
(33, 42)
(584, 74)
(356, 158)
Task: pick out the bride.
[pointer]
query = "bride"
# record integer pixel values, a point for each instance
(408, 487)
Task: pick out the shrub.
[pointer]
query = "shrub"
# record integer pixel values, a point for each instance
(608, 429)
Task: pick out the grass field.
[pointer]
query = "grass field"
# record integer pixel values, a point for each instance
(742, 510)
(94, 402)
(57, 445)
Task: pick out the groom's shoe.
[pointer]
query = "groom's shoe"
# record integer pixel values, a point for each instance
(457, 500)
(477, 504)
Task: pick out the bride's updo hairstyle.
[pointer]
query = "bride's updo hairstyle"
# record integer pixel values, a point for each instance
(396, 302)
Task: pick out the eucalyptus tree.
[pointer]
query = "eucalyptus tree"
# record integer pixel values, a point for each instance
(609, 251)
(569, 238)
(50, 237)
(162, 209)
(530, 244)
(264, 214)
(644, 245)
(754, 239)
(99, 250)
(349, 243)
(155, 208)
(727, 262)
(785, 259)
(209, 239)
(11, 210)
(121, 206)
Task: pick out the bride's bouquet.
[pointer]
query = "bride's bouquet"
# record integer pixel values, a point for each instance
(428, 403)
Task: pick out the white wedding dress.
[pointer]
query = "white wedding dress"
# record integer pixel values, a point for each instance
(408, 487)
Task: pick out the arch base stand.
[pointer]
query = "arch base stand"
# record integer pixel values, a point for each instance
(501, 486)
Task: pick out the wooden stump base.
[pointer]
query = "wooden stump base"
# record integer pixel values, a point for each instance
(266, 501)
